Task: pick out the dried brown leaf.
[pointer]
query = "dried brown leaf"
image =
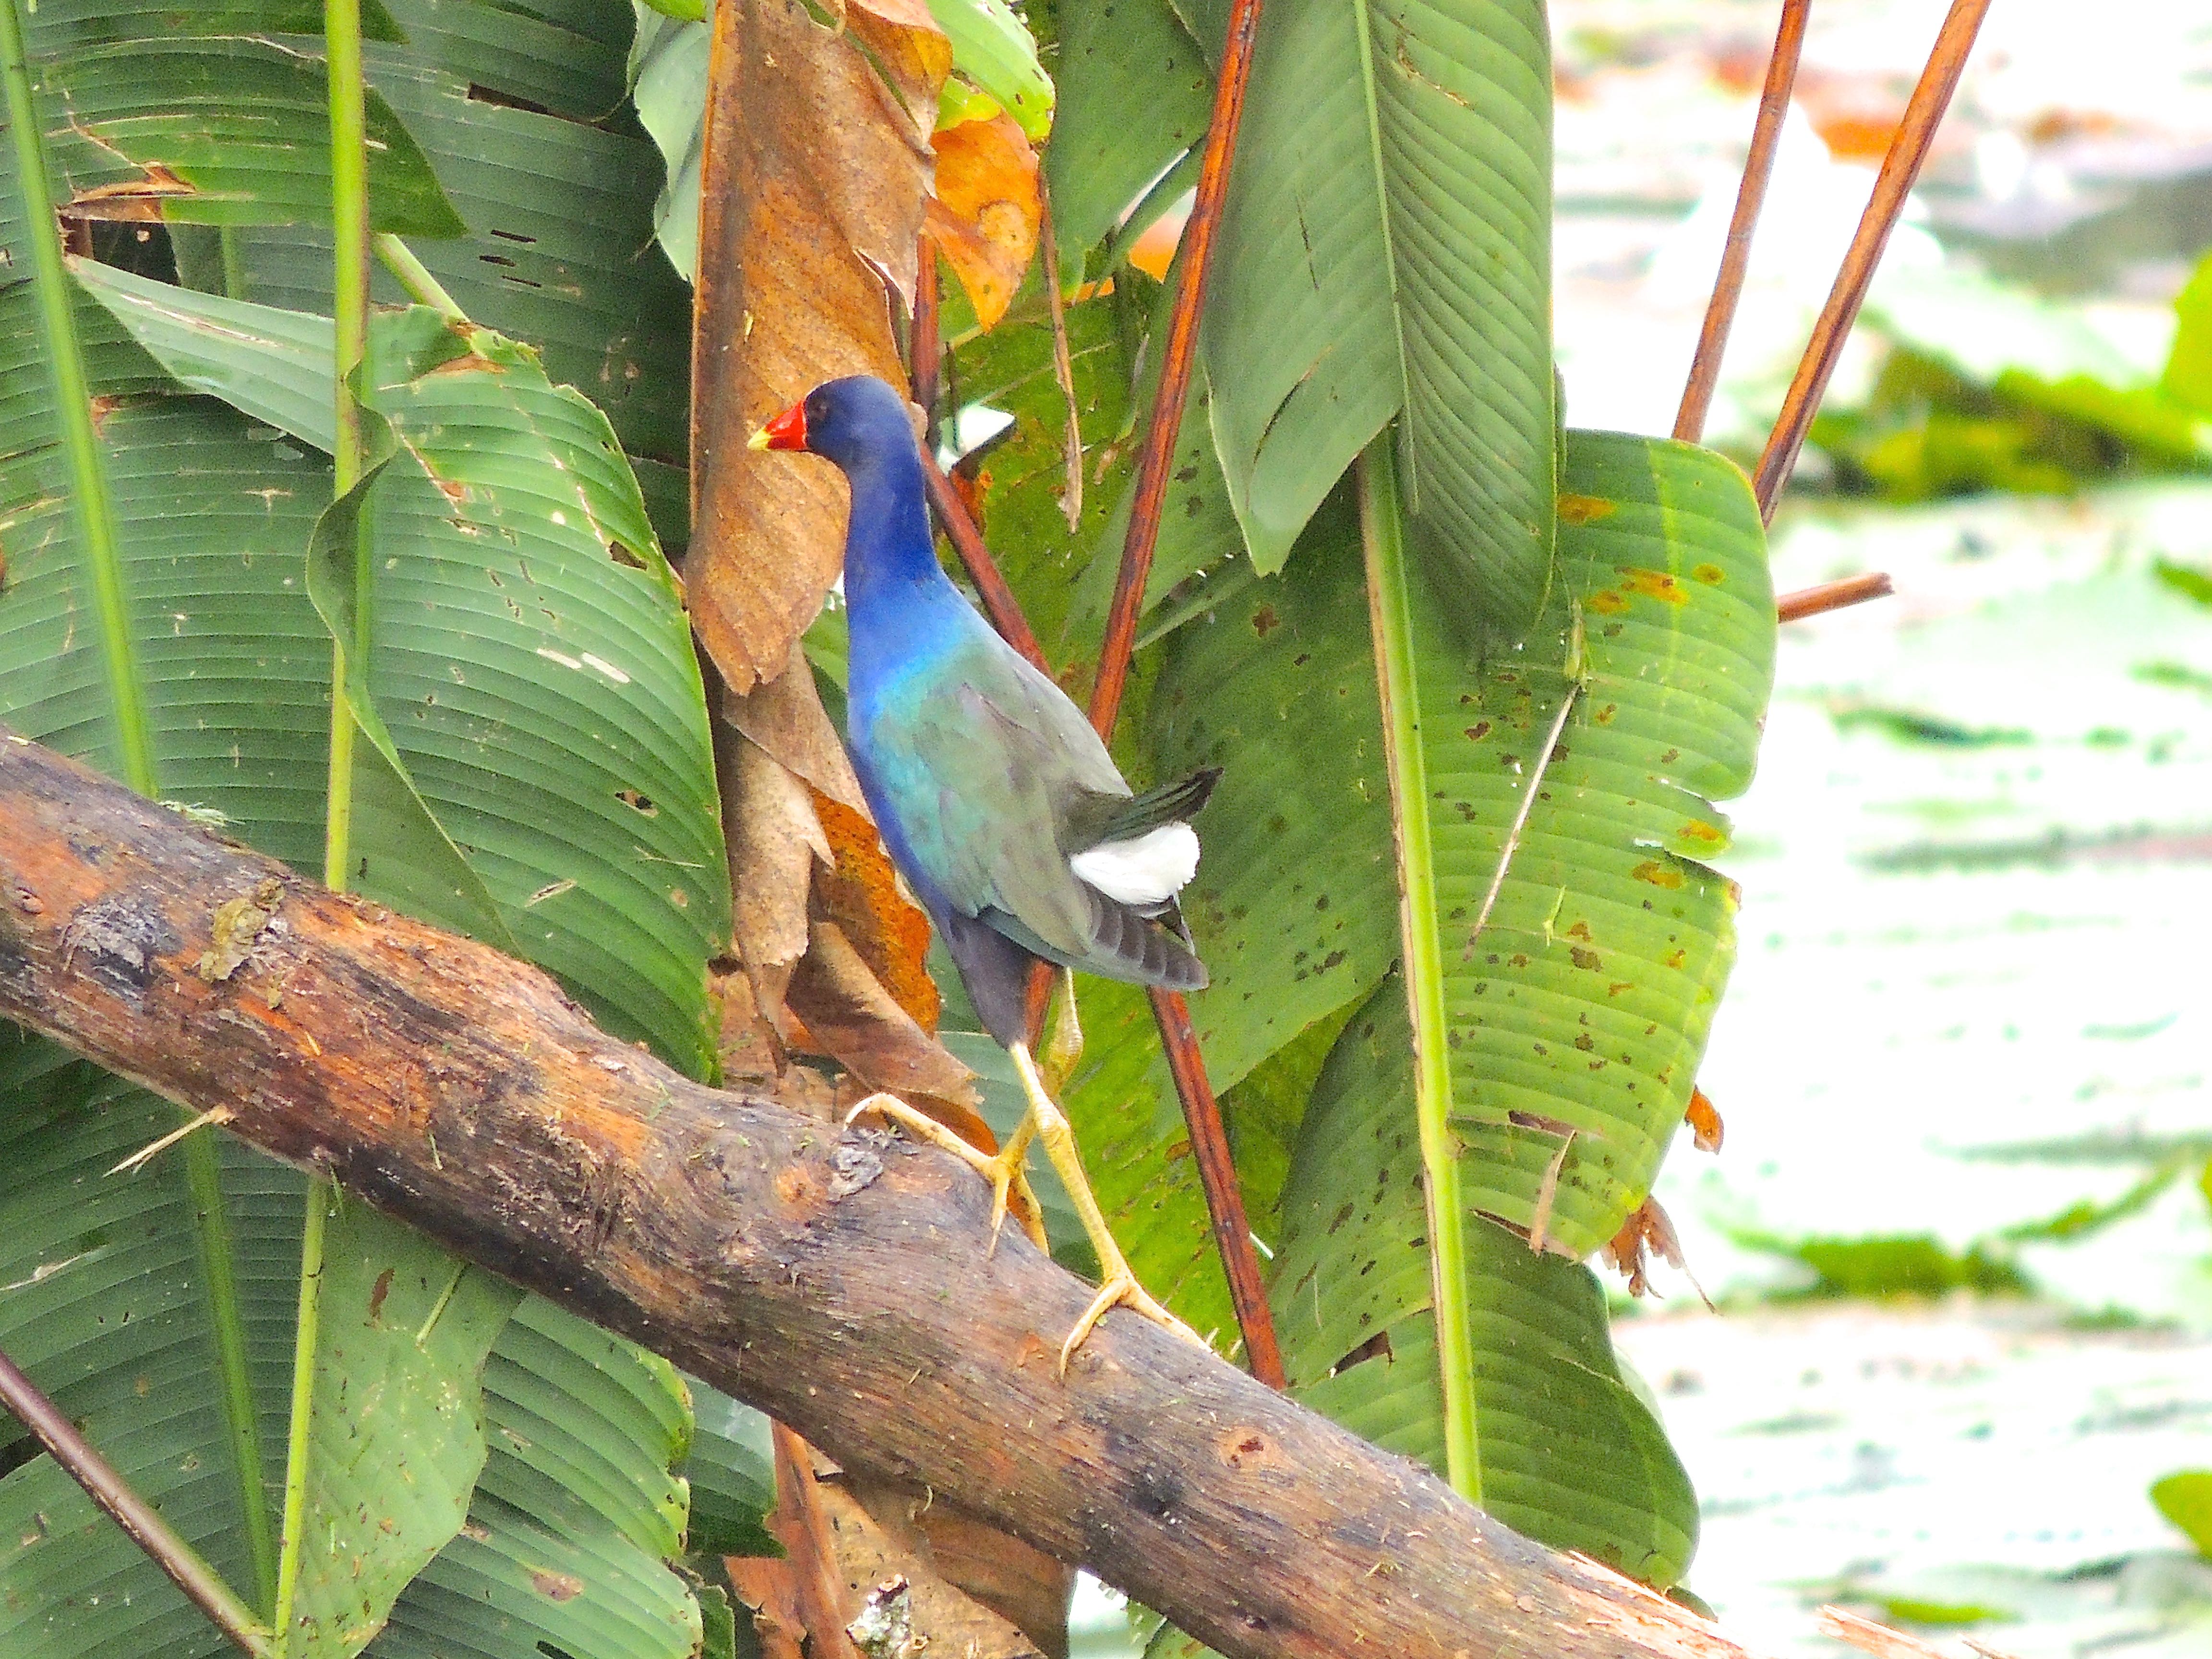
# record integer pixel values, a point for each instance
(775, 840)
(861, 894)
(986, 211)
(815, 178)
(130, 200)
(851, 1017)
(784, 716)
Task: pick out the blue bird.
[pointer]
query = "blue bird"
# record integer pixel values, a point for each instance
(997, 800)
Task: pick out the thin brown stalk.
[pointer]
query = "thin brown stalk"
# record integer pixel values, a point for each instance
(1225, 1200)
(1900, 167)
(1833, 595)
(1750, 197)
(1224, 1196)
(924, 340)
(1178, 359)
(199, 1582)
(1071, 497)
(999, 603)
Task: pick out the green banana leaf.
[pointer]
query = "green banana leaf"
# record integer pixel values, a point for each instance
(1569, 1453)
(1386, 250)
(108, 1311)
(523, 117)
(579, 1517)
(602, 852)
(1294, 908)
(668, 63)
(1134, 96)
(397, 1437)
(214, 510)
(1582, 1005)
(220, 130)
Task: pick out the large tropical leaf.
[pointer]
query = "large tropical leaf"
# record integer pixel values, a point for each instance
(1134, 94)
(108, 1310)
(208, 128)
(397, 1436)
(1568, 1453)
(1387, 248)
(498, 527)
(214, 510)
(1582, 1004)
(522, 115)
(579, 1515)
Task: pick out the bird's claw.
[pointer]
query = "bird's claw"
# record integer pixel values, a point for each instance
(1004, 1169)
(1121, 1290)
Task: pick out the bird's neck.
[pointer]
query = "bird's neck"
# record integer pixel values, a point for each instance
(888, 549)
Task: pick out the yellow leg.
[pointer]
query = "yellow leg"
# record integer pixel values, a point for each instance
(1063, 1043)
(1118, 1286)
(1004, 1171)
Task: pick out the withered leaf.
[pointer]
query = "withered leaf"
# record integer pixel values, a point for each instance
(1705, 1121)
(986, 213)
(851, 1017)
(861, 894)
(814, 180)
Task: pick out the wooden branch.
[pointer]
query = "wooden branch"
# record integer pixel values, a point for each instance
(839, 1281)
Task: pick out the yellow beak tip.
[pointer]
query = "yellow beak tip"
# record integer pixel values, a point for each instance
(758, 441)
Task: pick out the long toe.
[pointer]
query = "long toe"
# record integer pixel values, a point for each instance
(1010, 1182)
(1123, 1290)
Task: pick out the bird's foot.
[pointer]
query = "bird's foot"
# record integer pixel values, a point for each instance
(1121, 1290)
(1118, 1286)
(1004, 1169)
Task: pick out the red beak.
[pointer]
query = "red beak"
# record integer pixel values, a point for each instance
(786, 431)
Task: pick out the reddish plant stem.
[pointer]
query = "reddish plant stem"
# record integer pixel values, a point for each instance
(199, 1582)
(1750, 197)
(1209, 1142)
(999, 603)
(1224, 1196)
(1900, 167)
(1177, 359)
(925, 343)
(1833, 595)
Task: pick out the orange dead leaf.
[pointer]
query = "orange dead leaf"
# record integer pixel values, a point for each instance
(861, 893)
(851, 1017)
(1154, 252)
(1648, 1231)
(814, 180)
(1705, 1121)
(987, 209)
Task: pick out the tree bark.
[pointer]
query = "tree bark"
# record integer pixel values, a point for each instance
(840, 1282)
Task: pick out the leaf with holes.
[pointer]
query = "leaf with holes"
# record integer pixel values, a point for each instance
(397, 1438)
(1575, 1019)
(209, 131)
(514, 553)
(1568, 1453)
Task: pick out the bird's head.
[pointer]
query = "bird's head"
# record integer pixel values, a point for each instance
(849, 421)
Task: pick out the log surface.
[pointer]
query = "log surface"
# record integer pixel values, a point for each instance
(839, 1282)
